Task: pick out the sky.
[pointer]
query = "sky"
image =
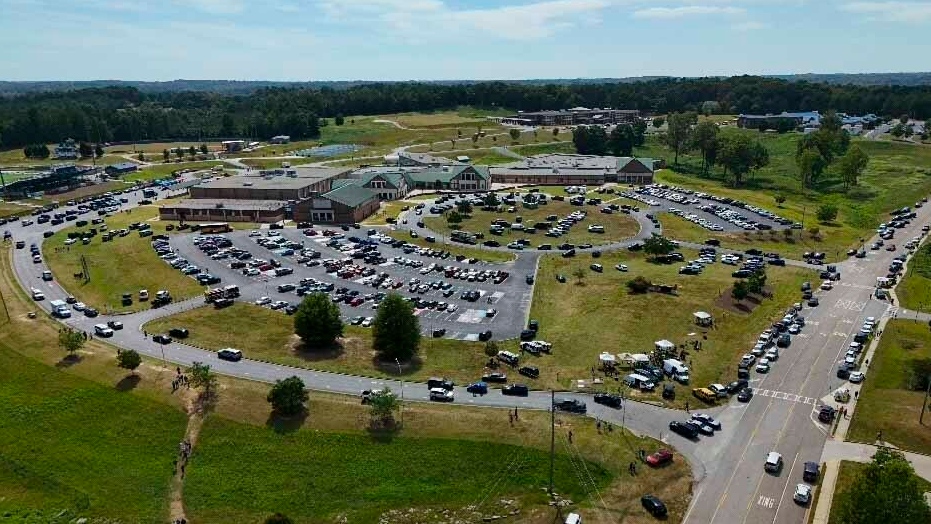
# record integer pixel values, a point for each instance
(303, 40)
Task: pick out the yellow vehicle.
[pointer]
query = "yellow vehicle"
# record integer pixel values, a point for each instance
(705, 395)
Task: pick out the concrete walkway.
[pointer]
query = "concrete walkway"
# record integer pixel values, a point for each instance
(837, 451)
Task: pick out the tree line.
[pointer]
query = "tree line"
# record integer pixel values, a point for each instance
(120, 113)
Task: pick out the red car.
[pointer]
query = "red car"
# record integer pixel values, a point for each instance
(356, 302)
(310, 232)
(659, 458)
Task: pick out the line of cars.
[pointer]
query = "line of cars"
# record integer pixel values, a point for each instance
(722, 209)
(848, 368)
(698, 424)
(810, 472)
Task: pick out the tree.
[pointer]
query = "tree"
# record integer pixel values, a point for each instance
(179, 152)
(658, 245)
(887, 490)
(810, 166)
(382, 405)
(85, 150)
(491, 199)
(278, 518)
(658, 122)
(555, 132)
(739, 155)
(535, 134)
(464, 207)
(166, 156)
(638, 285)
(203, 149)
(71, 340)
(640, 132)
(757, 282)
(621, 140)
(318, 321)
(705, 138)
(339, 120)
(827, 213)
(141, 156)
(203, 378)
(192, 152)
(129, 359)
(396, 331)
(897, 130)
(36, 151)
(710, 107)
(678, 132)
(851, 166)
(590, 140)
(515, 134)
(475, 139)
(98, 151)
(579, 275)
(491, 348)
(454, 217)
(288, 396)
(740, 290)
(780, 199)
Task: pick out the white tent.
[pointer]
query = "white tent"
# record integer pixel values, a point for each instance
(607, 358)
(639, 357)
(703, 318)
(664, 345)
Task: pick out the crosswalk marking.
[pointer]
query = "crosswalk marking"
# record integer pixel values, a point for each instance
(782, 395)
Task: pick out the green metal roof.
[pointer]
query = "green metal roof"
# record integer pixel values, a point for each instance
(351, 195)
(445, 174)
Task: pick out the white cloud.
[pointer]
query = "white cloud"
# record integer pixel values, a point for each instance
(421, 20)
(750, 25)
(913, 12)
(691, 10)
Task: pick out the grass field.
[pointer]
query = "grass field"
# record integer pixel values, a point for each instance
(846, 476)
(153, 151)
(120, 435)
(890, 400)
(15, 157)
(387, 210)
(601, 312)
(618, 226)
(158, 171)
(123, 265)
(914, 291)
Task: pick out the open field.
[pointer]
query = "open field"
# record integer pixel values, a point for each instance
(914, 291)
(153, 151)
(15, 157)
(488, 255)
(601, 312)
(618, 226)
(142, 423)
(463, 117)
(846, 476)
(123, 265)
(891, 398)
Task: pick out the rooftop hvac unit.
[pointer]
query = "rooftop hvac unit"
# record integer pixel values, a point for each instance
(247, 183)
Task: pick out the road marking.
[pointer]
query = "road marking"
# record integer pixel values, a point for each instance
(786, 488)
(766, 502)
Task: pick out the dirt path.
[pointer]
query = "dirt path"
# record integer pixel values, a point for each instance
(192, 432)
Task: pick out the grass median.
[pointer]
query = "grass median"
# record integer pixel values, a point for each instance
(914, 291)
(617, 226)
(894, 391)
(82, 438)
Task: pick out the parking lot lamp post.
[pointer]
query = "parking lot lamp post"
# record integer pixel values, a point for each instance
(401, 379)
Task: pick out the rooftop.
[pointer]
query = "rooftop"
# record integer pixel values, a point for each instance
(350, 195)
(569, 164)
(233, 205)
(257, 182)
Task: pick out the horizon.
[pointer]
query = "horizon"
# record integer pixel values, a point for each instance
(479, 40)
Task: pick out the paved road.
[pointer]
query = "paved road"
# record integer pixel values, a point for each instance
(781, 417)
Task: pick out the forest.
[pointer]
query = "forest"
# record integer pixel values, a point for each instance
(124, 113)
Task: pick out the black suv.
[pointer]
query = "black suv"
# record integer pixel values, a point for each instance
(570, 405)
(653, 505)
(686, 430)
(517, 390)
(529, 371)
(178, 332)
(811, 472)
(161, 339)
(607, 399)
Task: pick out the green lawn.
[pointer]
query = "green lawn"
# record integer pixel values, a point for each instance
(372, 477)
(389, 209)
(618, 226)
(69, 443)
(123, 265)
(890, 400)
(914, 291)
(601, 312)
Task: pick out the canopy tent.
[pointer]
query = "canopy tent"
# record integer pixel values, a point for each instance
(607, 358)
(703, 318)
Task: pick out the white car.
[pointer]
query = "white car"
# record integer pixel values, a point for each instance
(794, 329)
(802, 494)
(621, 267)
(827, 285)
(79, 306)
(262, 301)
(452, 308)
(70, 241)
(594, 228)
(857, 376)
(367, 322)
(763, 366)
(255, 233)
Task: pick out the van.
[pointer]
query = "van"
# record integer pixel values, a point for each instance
(773, 462)
(573, 518)
(101, 330)
(704, 394)
(60, 309)
(636, 380)
(508, 358)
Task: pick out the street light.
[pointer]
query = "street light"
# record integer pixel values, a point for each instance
(401, 379)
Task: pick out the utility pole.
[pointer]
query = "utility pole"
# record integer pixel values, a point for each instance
(401, 378)
(924, 403)
(553, 437)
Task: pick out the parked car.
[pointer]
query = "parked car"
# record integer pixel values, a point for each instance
(802, 494)
(495, 376)
(161, 339)
(529, 371)
(441, 395)
(773, 462)
(178, 332)
(810, 472)
(518, 390)
(229, 354)
(653, 505)
(745, 395)
(662, 456)
(608, 399)
(477, 388)
(569, 404)
(686, 430)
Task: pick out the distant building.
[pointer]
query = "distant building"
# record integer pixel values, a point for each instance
(389, 183)
(347, 204)
(120, 169)
(571, 117)
(66, 150)
(567, 169)
(232, 146)
(456, 177)
(408, 159)
(295, 183)
(280, 139)
(218, 210)
(793, 120)
(56, 179)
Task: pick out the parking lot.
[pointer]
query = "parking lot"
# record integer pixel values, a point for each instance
(457, 299)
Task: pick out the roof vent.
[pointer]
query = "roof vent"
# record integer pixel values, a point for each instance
(247, 183)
